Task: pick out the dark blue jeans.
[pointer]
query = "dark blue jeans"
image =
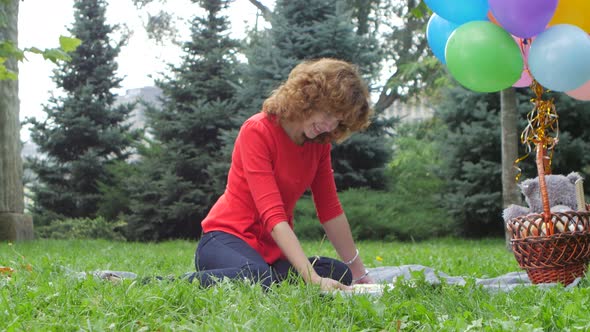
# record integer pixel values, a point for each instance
(221, 255)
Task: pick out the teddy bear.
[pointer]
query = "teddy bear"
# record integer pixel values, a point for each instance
(561, 190)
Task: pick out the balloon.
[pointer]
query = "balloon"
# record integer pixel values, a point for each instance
(483, 57)
(460, 11)
(438, 31)
(559, 57)
(581, 93)
(574, 12)
(525, 78)
(523, 18)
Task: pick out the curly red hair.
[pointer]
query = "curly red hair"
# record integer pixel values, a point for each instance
(327, 85)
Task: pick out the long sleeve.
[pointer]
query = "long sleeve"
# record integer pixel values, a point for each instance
(323, 189)
(257, 164)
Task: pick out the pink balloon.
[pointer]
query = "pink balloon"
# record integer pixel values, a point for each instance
(525, 78)
(524, 81)
(581, 93)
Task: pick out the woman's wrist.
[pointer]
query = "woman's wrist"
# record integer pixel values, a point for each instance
(363, 276)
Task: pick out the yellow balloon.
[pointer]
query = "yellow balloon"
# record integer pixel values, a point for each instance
(575, 12)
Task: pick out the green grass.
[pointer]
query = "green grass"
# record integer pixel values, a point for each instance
(44, 293)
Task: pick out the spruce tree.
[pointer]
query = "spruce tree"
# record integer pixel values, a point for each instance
(309, 29)
(83, 131)
(181, 180)
(472, 156)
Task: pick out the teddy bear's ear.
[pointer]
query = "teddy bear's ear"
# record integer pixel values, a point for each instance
(573, 177)
(528, 187)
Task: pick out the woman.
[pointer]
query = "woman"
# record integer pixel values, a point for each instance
(279, 154)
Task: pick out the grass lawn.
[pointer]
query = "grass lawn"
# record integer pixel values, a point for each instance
(44, 293)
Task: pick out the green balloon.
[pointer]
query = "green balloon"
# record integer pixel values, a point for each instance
(483, 57)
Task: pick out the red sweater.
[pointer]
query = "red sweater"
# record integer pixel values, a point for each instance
(269, 173)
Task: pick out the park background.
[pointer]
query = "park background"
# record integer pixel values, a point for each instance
(150, 168)
(106, 193)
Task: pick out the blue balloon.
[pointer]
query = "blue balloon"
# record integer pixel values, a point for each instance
(438, 31)
(559, 57)
(460, 11)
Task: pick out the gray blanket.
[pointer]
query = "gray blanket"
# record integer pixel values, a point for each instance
(389, 274)
(506, 282)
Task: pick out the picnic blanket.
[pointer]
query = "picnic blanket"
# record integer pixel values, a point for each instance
(504, 282)
(386, 276)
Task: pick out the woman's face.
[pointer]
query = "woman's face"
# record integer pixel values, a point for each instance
(320, 122)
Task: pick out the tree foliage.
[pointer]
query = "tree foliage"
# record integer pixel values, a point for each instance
(179, 181)
(83, 131)
(471, 151)
(414, 172)
(409, 69)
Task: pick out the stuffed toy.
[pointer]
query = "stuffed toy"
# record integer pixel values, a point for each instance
(560, 188)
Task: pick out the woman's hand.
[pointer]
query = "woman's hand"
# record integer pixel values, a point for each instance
(360, 275)
(327, 284)
(367, 279)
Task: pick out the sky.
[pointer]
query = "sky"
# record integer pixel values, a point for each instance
(41, 22)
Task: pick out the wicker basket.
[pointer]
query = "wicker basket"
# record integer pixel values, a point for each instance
(561, 256)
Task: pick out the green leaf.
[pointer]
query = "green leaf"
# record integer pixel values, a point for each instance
(416, 12)
(69, 44)
(56, 54)
(420, 10)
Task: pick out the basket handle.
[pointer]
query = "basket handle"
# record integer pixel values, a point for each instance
(543, 187)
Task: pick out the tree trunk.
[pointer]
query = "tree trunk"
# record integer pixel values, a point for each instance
(509, 124)
(14, 225)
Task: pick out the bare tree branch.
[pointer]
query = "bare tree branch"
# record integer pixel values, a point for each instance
(386, 98)
(266, 13)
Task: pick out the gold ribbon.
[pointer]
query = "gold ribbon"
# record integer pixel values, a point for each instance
(542, 127)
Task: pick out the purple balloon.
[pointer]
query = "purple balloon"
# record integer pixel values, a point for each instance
(523, 18)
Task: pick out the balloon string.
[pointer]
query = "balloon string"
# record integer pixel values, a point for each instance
(542, 130)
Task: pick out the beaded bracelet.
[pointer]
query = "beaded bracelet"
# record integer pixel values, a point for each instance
(354, 281)
(353, 259)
